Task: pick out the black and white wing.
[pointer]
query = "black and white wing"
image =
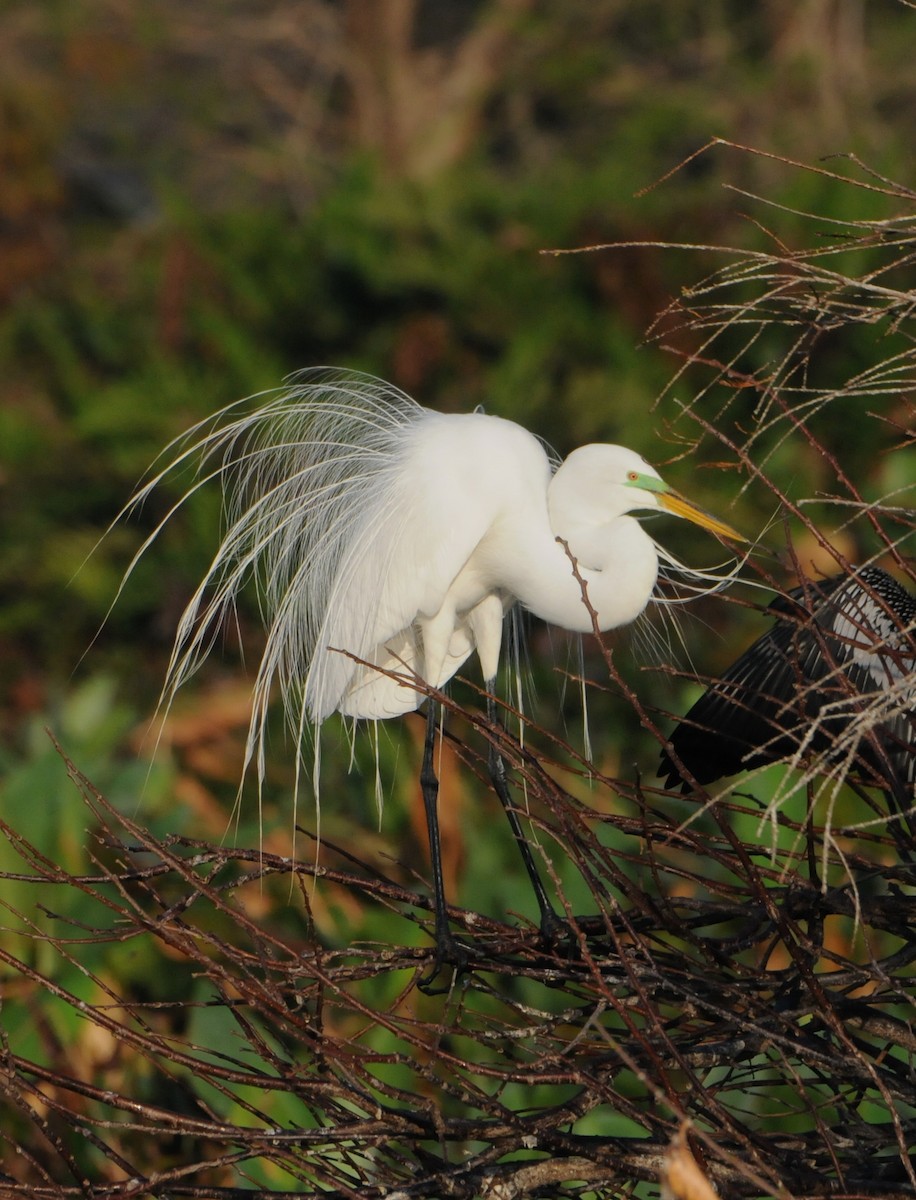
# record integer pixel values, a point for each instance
(835, 677)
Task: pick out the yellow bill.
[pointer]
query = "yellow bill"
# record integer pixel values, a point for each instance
(675, 503)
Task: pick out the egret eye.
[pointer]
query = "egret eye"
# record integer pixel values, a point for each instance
(632, 476)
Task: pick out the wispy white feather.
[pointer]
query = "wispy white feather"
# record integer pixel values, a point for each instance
(321, 501)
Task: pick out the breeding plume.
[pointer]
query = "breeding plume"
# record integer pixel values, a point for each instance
(834, 679)
(387, 542)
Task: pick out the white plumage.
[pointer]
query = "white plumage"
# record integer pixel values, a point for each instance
(381, 531)
(388, 541)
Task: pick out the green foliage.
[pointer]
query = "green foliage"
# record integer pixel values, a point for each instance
(37, 796)
(117, 334)
(43, 925)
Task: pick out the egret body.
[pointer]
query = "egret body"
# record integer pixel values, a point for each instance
(388, 542)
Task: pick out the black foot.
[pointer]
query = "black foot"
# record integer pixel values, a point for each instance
(554, 930)
(452, 958)
(560, 936)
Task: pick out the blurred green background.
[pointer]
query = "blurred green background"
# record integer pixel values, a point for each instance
(199, 198)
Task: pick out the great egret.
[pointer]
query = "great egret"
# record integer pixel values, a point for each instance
(834, 678)
(388, 542)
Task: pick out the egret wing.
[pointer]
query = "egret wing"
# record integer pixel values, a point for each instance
(399, 568)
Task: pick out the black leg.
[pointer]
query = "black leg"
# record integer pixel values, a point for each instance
(448, 949)
(552, 926)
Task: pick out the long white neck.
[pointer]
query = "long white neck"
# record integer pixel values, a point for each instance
(617, 563)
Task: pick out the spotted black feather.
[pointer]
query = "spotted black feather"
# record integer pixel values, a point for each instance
(835, 679)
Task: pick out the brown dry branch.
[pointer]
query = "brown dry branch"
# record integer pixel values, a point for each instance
(732, 1006)
(705, 990)
(800, 367)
